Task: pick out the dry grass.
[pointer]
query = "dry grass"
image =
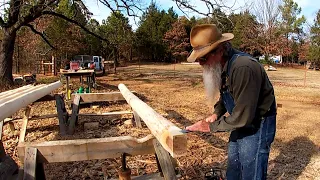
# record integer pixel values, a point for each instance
(179, 96)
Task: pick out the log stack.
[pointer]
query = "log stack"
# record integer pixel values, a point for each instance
(13, 100)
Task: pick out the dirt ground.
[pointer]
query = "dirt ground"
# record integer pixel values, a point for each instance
(177, 93)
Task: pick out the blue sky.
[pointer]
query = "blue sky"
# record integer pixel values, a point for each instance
(309, 8)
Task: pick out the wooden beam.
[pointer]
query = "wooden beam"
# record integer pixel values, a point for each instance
(164, 158)
(1, 129)
(169, 135)
(75, 111)
(30, 163)
(43, 117)
(137, 119)
(20, 93)
(24, 124)
(100, 97)
(65, 115)
(9, 92)
(2, 151)
(107, 113)
(31, 118)
(88, 149)
(13, 105)
(7, 167)
(62, 114)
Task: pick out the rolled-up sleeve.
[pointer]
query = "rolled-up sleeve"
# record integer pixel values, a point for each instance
(245, 91)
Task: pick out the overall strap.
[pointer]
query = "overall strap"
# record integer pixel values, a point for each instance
(234, 57)
(225, 92)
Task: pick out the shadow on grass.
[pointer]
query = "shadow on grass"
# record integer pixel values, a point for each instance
(293, 158)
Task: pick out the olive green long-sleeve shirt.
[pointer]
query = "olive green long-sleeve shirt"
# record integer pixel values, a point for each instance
(252, 92)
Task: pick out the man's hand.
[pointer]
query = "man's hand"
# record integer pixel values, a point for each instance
(212, 118)
(202, 126)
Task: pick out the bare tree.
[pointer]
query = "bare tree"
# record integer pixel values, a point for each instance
(24, 12)
(268, 14)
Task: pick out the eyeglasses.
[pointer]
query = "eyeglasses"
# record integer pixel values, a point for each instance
(204, 58)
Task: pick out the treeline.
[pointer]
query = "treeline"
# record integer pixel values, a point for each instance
(163, 36)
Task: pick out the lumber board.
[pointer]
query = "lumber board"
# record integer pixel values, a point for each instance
(164, 158)
(24, 124)
(62, 114)
(43, 117)
(13, 105)
(107, 113)
(65, 114)
(7, 167)
(20, 93)
(30, 163)
(31, 118)
(5, 93)
(137, 119)
(2, 151)
(170, 136)
(75, 111)
(100, 97)
(88, 149)
(1, 129)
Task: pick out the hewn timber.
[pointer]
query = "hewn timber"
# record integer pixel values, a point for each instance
(6, 93)
(20, 93)
(1, 129)
(30, 163)
(99, 97)
(88, 149)
(11, 106)
(32, 118)
(75, 112)
(169, 135)
(164, 158)
(137, 120)
(24, 124)
(107, 113)
(62, 114)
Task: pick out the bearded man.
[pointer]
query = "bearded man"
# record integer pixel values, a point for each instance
(246, 106)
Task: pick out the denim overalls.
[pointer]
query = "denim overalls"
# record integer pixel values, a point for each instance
(248, 153)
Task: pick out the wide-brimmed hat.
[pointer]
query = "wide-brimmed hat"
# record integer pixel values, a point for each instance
(204, 38)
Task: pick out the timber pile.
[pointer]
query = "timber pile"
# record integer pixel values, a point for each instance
(165, 136)
(10, 102)
(13, 100)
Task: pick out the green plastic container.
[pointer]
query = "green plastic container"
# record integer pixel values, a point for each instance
(80, 90)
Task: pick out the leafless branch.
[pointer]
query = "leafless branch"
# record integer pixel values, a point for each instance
(2, 23)
(186, 5)
(129, 7)
(14, 11)
(33, 13)
(40, 34)
(74, 22)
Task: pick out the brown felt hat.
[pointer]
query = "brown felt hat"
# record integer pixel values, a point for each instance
(204, 38)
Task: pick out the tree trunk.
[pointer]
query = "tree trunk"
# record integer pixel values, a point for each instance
(115, 63)
(6, 57)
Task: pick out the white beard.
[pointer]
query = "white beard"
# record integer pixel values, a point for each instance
(212, 82)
